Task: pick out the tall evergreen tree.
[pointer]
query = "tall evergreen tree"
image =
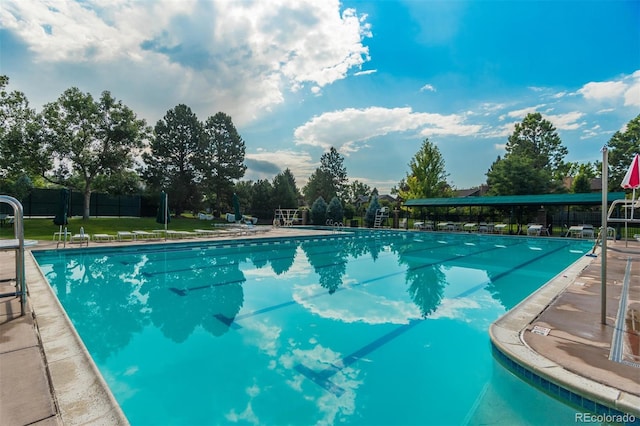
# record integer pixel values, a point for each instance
(220, 160)
(262, 201)
(285, 192)
(332, 163)
(320, 184)
(171, 163)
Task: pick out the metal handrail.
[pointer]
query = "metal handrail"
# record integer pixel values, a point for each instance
(18, 226)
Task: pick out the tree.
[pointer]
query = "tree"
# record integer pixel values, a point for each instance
(85, 139)
(356, 189)
(221, 156)
(126, 182)
(320, 184)
(623, 145)
(516, 175)
(427, 177)
(581, 184)
(370, 217)
(335, 212)
(262, 199)
(285, 192)
(19, 148)
(332, 163)
(171, 162)
(534, 160)
(582, 181)
(319, 212)
(245, 192)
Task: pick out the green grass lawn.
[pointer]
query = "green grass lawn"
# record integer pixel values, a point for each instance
(43, 229)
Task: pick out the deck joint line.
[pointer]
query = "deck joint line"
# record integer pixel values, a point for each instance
(616, 353)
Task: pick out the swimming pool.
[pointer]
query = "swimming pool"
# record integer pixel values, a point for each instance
(367, 328)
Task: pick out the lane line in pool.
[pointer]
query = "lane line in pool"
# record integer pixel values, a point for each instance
(322, 378)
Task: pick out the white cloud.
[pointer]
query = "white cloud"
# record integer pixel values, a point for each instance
(565, 121)
(632, 94)
(347, 129)
(366, 72)
(240, 57)
(522, 113)
(603, 90)
(428, 88)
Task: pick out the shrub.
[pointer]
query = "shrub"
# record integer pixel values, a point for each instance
(335, 212)
(349, 211)
(370, 217)
(319, 211)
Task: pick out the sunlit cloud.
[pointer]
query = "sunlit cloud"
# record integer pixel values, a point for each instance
(566, 121)
(243, 64)
(603, 90)
(366, 72)
(347, 129)
(427, 88)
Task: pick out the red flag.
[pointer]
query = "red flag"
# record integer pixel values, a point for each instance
(632, 178)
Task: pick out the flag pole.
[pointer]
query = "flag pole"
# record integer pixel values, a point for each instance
(603, 238)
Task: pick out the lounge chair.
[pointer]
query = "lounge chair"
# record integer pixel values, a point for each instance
(470, 227)
(500, 227)
(103, 237)
(80, 238)
(64, 235)
(125, 235)
(484, 227)
(536, 229)
(180, 234)
(145, 235)
(206, 232)
(587, 231)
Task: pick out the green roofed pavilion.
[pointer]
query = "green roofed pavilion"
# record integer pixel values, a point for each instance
(584, 199)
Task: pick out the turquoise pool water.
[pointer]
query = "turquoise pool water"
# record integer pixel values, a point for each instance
(373, 328)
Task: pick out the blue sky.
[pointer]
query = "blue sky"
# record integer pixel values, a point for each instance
(371, 78)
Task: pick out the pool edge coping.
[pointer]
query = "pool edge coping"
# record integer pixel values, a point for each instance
(79, 390)
(506, 334)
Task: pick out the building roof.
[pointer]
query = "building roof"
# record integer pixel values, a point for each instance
(517, 200)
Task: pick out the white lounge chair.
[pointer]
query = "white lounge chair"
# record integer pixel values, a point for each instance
(145, 235)
(80, 238)
(536, 229)
(125, 235)
(500, 227)
(103, 237)
(470, 227)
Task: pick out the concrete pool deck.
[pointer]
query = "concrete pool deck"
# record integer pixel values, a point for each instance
(47, 378)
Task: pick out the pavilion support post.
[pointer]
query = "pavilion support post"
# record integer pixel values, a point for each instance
(603, 238)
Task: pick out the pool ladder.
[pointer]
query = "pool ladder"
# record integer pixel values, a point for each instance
(16, 244)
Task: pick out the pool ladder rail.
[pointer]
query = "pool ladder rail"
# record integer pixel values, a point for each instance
(16, 244)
